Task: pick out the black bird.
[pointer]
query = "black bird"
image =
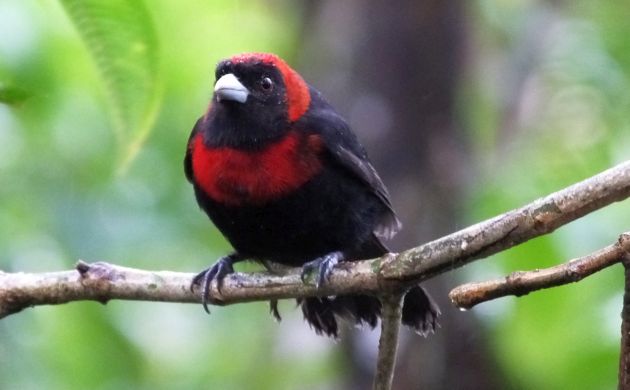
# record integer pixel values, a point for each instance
(285, 180)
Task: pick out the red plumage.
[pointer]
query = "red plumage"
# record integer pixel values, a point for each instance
(232, 176)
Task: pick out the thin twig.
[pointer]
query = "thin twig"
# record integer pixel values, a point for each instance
(105, 282)
(512, 228)
(624, 353)
(388, 342)
(523, 282)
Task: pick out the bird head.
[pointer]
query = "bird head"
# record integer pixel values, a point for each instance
(261, 92)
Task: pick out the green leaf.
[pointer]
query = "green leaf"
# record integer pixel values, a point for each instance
(122, 40)
(12, 95)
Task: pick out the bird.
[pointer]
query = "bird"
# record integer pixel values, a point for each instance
(285, 180)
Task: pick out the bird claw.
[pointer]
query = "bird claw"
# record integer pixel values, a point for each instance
(324, 266)
(273, 309)
(218, 271)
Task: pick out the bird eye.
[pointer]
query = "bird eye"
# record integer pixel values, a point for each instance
(266, 84)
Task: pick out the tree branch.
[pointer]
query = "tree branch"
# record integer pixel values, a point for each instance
(523, 282)
(624, 354)
(388, 343)
(102, 282)
(512, 228)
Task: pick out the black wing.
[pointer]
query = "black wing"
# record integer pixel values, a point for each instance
(348, 152)
(390, 224)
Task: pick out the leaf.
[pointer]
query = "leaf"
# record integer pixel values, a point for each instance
(12, 95)
(122, 40)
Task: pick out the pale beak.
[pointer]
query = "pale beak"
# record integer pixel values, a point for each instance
(229, 88)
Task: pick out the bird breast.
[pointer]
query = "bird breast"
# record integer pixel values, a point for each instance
(236, 177)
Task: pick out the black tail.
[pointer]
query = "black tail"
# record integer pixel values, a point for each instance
(322, 313)
(420, 312)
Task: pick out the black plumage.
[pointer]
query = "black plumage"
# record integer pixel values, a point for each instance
(285, 180)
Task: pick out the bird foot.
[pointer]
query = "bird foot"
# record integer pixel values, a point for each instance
(273, 309)
(324, 266)
(218, 271)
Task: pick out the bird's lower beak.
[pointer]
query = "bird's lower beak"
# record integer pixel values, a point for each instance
(228, 87)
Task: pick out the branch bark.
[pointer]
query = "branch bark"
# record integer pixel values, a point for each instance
(523, 282)
(102, 282)
(388, 343)
(512, 228)
(624, 353)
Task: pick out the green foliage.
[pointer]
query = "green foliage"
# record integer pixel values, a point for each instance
(121, 38)
(12, 95)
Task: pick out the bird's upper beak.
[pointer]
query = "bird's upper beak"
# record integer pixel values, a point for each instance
(228, 87)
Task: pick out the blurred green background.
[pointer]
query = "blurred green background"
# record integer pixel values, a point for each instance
(98, 99)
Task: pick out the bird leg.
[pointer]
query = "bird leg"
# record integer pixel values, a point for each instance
(218, 271)
(324, 266)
